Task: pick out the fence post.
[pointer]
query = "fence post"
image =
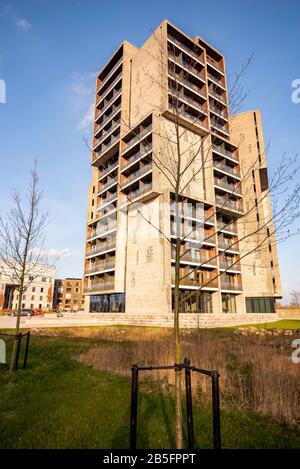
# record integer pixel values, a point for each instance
(26, 350)
(189, 403)
(216, 409)
(18, 338)
(134, 405)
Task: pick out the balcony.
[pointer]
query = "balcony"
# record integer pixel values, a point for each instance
(232, 188)
(111, 86)
(217, 125)
(224, 152)
(105, 147)
(186, 65)
(110, 183)
(140, 191)
(220, 113)
(110, 244)
(232, 286)
(109, 285)
(101, 231)
(107, 200)
(229, 204)
(142, 171)
(187, 49)
(195, 120)
(215, 64)
(223, 226)
(183, 97)
(102, 111)
(198, 259)
(110, 74)
(227, 169)
(108, 170)
(216, 80)
(137, 156)
(216, 95)
(180, 80)
(193, 281)
(230, 265)
(138, 138)
(107, 132)
(100, 266)
(228, 245)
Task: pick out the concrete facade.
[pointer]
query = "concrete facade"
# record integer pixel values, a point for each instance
(39, 286)
(129, 262)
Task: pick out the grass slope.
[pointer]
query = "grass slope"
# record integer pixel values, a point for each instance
(61, 403)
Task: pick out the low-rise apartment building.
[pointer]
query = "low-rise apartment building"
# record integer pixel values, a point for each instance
(68, 294)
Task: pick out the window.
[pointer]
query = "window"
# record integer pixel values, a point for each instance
(69, 290)
(260, 305)
(114, 302)
(23, 305)
(194, 302)
(33, 289)
(32, 297)
(41, 298)
(24, 297)
(32, 306)
(40, 305)
(30, 278)
(42, 290)
(228, 303)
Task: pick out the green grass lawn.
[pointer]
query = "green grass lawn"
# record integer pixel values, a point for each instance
(284, 324)
(61, 403)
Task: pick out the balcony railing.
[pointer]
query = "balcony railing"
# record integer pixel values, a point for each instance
(230, 265)
(187, 49)
(204, 283)
(225, 285)
(136, 156)
(179, 79)
(228, 245)
(230, 204)
(189, 99)
(106, 107)
(213, 78)
(200, 258)
(195, 119)
(109, 183)
(110, 74)
(225, 152)
(108, 170)
(216, 95)
(99, 266)
(102, 230)
(138, 138)
(111, 86)
(136, 174)
(219, 126)
(230, 187)
(105, 147)
(107, 132)
(228, 169)
(226, 227)
(222, 114)
(111, 244)
(106, 200)
(214, 63)
(100, 286)
(140, 191)
(183, 63)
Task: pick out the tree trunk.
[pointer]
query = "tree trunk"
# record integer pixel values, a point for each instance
(14, 356)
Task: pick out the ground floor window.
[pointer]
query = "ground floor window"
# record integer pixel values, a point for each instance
(228, 303)
(112, 303)
(193, 302)
(260, 305)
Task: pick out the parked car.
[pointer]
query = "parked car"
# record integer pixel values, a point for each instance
(24, 312)
(37, 312)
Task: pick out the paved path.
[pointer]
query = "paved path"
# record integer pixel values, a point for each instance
(8, 322)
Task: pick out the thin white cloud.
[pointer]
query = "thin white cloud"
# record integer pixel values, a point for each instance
(87, 119)
(23, 24)
(83, 89)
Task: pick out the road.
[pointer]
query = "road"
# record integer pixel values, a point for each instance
(8, 322)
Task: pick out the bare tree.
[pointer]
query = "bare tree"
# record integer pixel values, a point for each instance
(295, 298)
(22, 254)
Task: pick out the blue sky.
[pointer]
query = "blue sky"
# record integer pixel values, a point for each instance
(50, 52)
